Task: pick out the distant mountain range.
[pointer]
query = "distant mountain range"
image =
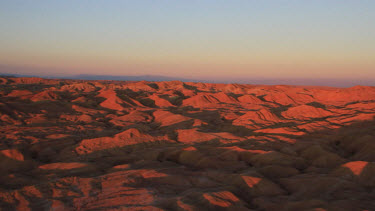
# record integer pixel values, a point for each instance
(127, 78)
(7, 71)
(108, 77)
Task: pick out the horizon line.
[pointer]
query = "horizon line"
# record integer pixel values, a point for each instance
(321, 82)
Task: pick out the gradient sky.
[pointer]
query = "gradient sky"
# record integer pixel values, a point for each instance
(194, 39)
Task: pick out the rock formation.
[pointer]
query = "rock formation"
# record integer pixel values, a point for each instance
(111, 145)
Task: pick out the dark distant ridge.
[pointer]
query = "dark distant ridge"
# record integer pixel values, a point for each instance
(128, 78)
(25, 71)
(256, 81)
(108, 77)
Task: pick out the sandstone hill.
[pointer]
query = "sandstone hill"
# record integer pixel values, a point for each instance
(110, 145)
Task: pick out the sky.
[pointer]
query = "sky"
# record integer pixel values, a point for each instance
(223, 40)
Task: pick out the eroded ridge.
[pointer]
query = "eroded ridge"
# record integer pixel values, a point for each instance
(111, 145)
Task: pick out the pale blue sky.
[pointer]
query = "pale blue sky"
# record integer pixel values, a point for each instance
(301, 38)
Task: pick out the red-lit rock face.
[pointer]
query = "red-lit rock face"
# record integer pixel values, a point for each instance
(101, 145)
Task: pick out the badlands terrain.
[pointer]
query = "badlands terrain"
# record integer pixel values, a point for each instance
(111, 145)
